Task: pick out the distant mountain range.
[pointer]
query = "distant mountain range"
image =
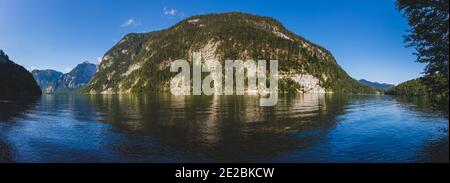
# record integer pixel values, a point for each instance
(376, 85)
(52, 81)
(46, 79)
(15, 80)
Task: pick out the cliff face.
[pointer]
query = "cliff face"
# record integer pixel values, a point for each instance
(140, 62)
(77, 78)
(16, 81)
(46, 79)
(52, 81)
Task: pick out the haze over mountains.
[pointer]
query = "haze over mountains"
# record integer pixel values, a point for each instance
(140, 61)
(52, 81)
(46, 78)
(376, 85)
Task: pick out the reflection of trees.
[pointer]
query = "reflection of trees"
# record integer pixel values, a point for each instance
(423, 104)
(10, 109)
(221, 128)
(434, 151)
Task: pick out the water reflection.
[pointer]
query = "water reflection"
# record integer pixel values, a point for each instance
(218, 128)
(15, 107)
(165, 128)
(10, 109)
(424, 105)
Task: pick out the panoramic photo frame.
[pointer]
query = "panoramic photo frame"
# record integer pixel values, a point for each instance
(224, 90)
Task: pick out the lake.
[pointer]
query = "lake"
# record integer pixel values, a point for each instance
(165, 128)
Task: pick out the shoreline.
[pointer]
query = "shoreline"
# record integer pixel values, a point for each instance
(5, 154)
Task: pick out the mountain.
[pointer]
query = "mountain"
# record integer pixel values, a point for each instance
(46, 79)
(140, 62)
(75, 79)
(414, 87)
(55, 82)
(15, 80)
(376, 85)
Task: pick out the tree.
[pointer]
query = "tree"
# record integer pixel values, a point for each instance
(429, 21)
(3, 54)
(413, 87)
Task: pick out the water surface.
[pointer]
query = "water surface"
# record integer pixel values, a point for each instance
(165, 128)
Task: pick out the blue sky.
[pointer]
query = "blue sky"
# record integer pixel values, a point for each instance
(365, 36)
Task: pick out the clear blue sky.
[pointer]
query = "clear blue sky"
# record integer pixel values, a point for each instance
(365, 36)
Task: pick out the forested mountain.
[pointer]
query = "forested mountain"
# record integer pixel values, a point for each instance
(414, 87)
(140, 62)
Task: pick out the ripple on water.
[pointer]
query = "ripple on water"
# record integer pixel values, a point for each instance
(164, 128)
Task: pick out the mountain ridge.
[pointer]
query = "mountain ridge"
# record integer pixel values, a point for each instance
(139, 62)
(52, 81)
(376, 85)
(15, 80)
(46, 78)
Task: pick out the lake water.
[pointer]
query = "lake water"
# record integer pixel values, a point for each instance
(165, 128)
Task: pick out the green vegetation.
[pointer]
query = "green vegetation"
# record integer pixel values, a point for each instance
(429, 21)
(140, 62)
(288, 86)
(413, 87)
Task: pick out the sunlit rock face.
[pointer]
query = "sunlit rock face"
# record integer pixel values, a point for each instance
(52, 81)
(46, 79)
(308, 83)
(140, 62)
(77, 78)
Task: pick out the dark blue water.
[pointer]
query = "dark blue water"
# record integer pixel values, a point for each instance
(164, 128)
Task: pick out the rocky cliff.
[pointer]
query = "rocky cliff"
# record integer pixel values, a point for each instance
(52, 81)
(140, 61)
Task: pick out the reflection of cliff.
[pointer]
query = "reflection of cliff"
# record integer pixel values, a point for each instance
(81, 108)
(15, 108)
(10, 109)
(219, 128)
